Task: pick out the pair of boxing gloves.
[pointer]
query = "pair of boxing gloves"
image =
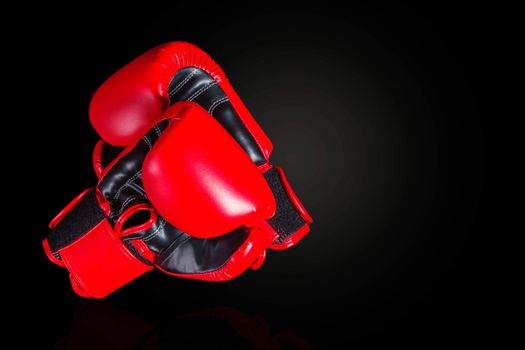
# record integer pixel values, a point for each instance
(185, 183)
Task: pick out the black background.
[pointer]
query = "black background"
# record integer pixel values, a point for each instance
(377, 114)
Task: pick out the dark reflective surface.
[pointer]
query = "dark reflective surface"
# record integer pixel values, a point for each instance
(377, 114)
(103, 325)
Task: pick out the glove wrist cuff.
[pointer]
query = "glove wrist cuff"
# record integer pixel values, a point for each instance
(91, 250)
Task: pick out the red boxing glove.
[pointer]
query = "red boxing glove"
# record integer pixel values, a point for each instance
(132, 100)
(89, 237)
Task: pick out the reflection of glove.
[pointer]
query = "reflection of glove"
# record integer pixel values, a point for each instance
(227, 328)
(130, 102)
(198, 178)
(103, 326)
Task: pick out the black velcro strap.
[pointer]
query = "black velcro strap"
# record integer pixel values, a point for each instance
(83, 217)
(287, 219)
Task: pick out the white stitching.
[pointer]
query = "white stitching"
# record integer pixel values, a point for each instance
(135, 176)
(147, 141)
(137, 187)
(172, 247)
(126, 202)
(182, 83)
(157, 130)
(216, 104)
(117, 194)
(154, 233)
(201, 90)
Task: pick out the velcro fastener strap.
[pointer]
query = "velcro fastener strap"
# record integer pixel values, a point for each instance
(87, 245)
(100, 263)
(290, 216)
(77, 219)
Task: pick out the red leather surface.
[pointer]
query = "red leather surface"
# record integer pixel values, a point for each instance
(132, 99)
(201, 180)
(99, 263)
(139, 245)
(260, 260)
(97, 158)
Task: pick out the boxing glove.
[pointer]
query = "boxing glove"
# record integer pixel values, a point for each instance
(132, 100)
(222, 197)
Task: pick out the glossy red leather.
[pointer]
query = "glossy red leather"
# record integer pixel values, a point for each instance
(98, 262)
(253, 250)
(57, 219)
(114, 266)
(132, 99)
(201, 180)
(260, 261)
(97, 158)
